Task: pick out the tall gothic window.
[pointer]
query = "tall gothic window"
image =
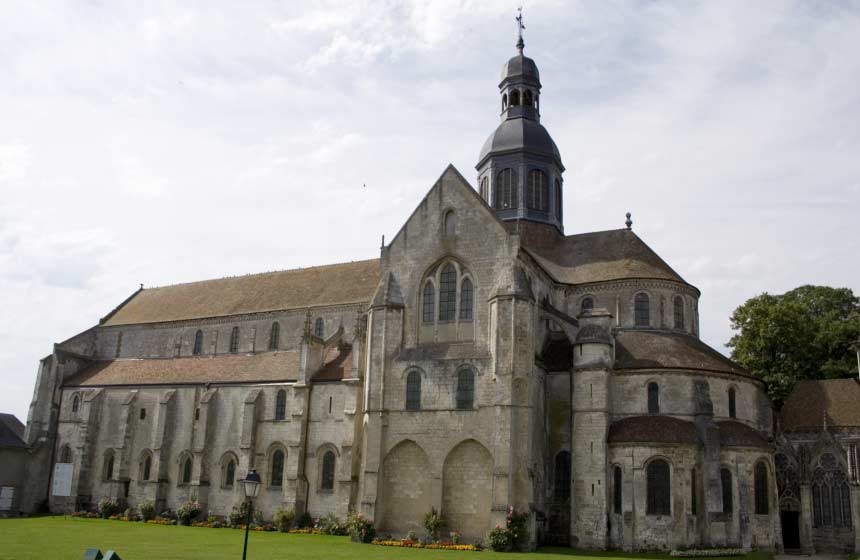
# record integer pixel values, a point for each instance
(450, 224)
(558, 199)
(429, 303)
(413, 390)
(108, 466)
(537, 191)
(642, 310)
(831, 494)
(198, 343)
(616, 489)
(276, 476)
(732, 404)
(726, 485)
(76, 403)
(229, 474)
(485, 186)
(694, 491)
(327, 482)
(146, 466)
(234, 340)
(506, 189)
(185, 473)
(319, 327)
(66, 454)
(562, 477)
(448, 293)
(587, 305)
(281, 405)
(466, 304)
(679, 312)
(658, 488)
(275, 336)
(465, 389)
(653, 398)
(761, 493)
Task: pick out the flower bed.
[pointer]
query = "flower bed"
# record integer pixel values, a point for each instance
(433, 546)
(162, 522)
(305, 532)
(706, 552)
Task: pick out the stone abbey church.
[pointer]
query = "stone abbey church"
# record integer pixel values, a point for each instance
(484, 360)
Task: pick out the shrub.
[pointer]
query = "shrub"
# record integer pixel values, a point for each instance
(518, 526)
(283, 519)
(360, 529)
(455, 537)
(239, 515)
(499, 539)
(433, 523)
(188, 512)
(329, 524)
(411, 536)
(108, 507)
(147, 510)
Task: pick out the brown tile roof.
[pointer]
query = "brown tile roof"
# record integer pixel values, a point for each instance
(594, 257)
(11, 431)
(653, 429)
(334, 284)
(336, 364)
(241, 368)
(738, 434)
(811, 401)
(647, 349)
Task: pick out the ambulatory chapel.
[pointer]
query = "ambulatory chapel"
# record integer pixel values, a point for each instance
(485, 360)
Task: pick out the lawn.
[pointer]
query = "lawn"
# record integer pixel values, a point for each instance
(67, 538)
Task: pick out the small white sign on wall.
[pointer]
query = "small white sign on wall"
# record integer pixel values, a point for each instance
(63, 479)
(7, 493)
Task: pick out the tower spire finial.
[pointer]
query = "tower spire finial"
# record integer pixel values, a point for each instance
(520, 27)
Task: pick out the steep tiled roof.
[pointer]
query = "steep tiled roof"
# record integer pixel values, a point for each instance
(653, 429)
(645, 349)
(594, 257)
(11, 431)
(738, 434)
(242, 368)
(337, 363)
(334, 284)
(811, 401)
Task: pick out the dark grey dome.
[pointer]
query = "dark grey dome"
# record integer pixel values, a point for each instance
(592, 333)
(520, 66)
(520, 135)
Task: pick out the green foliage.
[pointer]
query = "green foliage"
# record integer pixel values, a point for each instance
(433, 523)
(499, 539)
(514, 533)
(283, 519)
(360, 529)
(329, 524)
(806, 333)
(188, 512)
(108, 507)
(147, 510)
(239, 515)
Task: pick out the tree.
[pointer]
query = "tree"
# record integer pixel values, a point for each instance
(806, 333)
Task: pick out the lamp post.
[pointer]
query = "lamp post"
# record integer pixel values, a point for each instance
(251, 485)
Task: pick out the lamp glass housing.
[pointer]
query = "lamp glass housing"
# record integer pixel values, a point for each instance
(251, 484)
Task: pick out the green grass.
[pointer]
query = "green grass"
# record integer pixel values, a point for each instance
(67, 538)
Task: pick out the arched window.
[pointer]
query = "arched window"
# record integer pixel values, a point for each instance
(185, 473)
(145, 466)
(587, 305)
(679, 312)
(466, 300)
(450, 224)
(465, 389)
(658, 491)
(726, 484)
(515, 98)
(229, 474)
(537, 191)
(281, 405)
(234, 340)
(642, 310)
(506, 189)
(107, 467)
(413, 390)
(831, 494)
(198, 343)
(562, 477)
(429, 303)
(761, 492)
(275, 336)
(527, 98)
(319, 327)
(448, 293)
(653, 398)
(694, 491)
(616, 489)
(485, 187)
(276, 476)
(76, 403)
(558, 199)
(66, 454)
(732, 405)
(327, 480)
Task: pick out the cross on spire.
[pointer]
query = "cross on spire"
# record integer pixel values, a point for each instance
(520, 27)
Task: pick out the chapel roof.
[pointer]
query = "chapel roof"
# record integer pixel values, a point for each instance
(337, 362)
(653, 429)
(811, 401)
(11, 431)
(334, 284)
(648, 349)
(239, 368)
(738, 434)
(597, 256)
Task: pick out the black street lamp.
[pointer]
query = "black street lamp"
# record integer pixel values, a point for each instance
(251, 485)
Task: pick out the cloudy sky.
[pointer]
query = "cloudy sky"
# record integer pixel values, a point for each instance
(163, 142)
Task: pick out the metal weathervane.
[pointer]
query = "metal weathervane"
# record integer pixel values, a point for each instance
(520, 27)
